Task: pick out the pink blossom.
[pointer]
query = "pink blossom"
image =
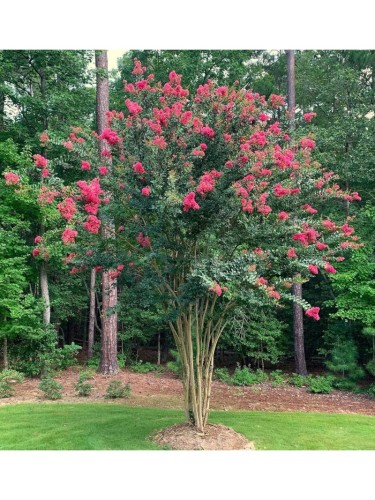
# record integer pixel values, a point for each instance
(110, 136)
(313, 312)
(138, 168)
(68, 145)
(329, 268)
(313, 269)
(186, 117)
(247, 205)
(67, 208)
(263, 117)
(37, 239)
(144, 241)
(44, 137)
(216, 288)
(92, 224)
(261, 281)
(309, 116)
(133, 107)
(40, 161)
(277, 100)
(45, 173)
(347, 230)
(328, 224)
(207, 131)
(146, 191)
(103, 170)
(309, 209)
(36, 252)
(190, 203)
(160, 142)
(283, 216)
(307, 143)
(85, 165)
(321, 246)
(69, 236)
(11, 179)
(221, 91)
(291, 253)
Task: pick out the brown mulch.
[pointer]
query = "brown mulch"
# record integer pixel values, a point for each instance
(165, 391)
(215, 437)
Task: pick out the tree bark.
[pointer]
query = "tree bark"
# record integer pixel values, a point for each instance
(298, 331)
(5, 353)
(159, 351)
(196, 334)
(91, 330)
(299, 345)
(108, 358)
(43, 277)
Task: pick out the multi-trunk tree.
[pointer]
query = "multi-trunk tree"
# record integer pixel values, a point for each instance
(214, 206)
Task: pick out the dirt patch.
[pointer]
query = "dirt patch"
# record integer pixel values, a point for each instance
(164, 390)
(215, 437)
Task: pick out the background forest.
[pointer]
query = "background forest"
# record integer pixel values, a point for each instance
(45, 306)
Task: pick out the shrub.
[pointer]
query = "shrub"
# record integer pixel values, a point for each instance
(51, 388)
(345, 384)
(175, 366)
(117, 390)
(82, 387)
(145, 367)
(370, 367)
(243, 376)
(261, 376)
(300, 380)
(321, 385)
(222, 374)
(278, 378)
(11, 376)
(6, 390)
(371, 391)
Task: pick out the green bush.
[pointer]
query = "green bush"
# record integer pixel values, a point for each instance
(6, 390)
(321, 385)
(145, 367)
(244, 376)
(174, 367)
(278, 378)
(345, 384)
(370, 367)
(51, 388)
(82, 387)
(11, 376)
(371, 391)
(222, 374)
(117, 390)
(300, 380)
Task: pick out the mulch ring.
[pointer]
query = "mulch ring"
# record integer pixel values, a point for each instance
(215, 437)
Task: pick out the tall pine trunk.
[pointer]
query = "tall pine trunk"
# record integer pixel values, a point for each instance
(298, 331)
(92, 311)
(108, 356)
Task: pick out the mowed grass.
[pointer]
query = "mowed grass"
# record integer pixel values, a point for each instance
(104, 426)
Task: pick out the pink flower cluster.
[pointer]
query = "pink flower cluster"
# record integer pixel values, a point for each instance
(189, 202)
(92, 224)
(11, 179)
(69, 236)
(90, 193)
(67, 208)
(40, 161)
(313, 313)
(207, 182)
(144, 241)
(110, 136)
(216, 288)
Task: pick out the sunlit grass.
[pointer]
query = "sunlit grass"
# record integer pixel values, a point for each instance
(63, 426)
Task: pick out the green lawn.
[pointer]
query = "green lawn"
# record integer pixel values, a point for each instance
(101, 426)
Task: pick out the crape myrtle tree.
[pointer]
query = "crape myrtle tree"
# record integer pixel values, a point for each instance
(213, 204)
